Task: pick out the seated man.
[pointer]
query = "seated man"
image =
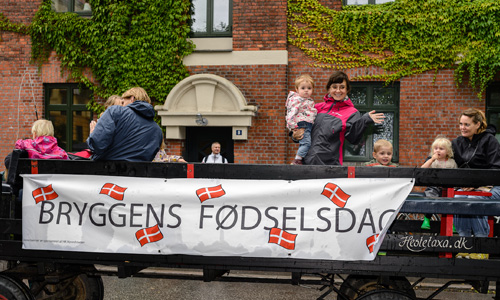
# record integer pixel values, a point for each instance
(126, 132)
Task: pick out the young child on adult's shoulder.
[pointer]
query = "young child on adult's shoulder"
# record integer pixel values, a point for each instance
(301, 113)
(44, 144)
(441, 156)
(382, 155)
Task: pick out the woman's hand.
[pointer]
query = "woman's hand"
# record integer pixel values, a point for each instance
(378, 118)
(298, 134)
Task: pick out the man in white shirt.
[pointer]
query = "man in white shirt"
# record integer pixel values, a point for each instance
(215, 157)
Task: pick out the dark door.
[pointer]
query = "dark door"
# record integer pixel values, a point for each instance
(199, 141)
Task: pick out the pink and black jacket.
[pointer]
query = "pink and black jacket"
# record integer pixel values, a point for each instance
(335, 122)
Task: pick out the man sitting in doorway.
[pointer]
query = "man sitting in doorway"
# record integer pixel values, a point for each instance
(215, 157)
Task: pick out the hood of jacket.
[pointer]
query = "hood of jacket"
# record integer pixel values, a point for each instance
(143, 109)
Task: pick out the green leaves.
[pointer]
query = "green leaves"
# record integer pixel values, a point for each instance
(404, 37)
(126, 43)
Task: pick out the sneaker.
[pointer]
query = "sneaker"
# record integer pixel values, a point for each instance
(296, 162)
(479, 256)
(426, 224)
(463, 255)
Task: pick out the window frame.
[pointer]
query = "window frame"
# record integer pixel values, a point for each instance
(71, 8)
(370, 85)
(69, 108)
(210, 19)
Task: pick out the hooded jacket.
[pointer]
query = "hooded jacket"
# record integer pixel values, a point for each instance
(126, 133)
(335, 122)
(482, 152)
(42, 147)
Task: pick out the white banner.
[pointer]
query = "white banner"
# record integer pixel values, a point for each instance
(335, 219)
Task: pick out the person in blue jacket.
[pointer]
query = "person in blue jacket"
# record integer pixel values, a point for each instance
(126, 132)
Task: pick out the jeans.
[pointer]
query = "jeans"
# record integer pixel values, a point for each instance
(467, 225)
(305, 142)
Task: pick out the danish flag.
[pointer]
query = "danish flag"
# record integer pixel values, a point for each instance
(149, 235)
(44, 193)
(114, 191)
(210, 192)
(335, 194)
(371, 241)
(282, 238)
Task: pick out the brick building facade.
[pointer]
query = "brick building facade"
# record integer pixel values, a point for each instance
(258, 60)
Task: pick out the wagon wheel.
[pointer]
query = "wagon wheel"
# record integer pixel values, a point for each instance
(80, 287)
(357, 285)
(386, 295)
(11, 288)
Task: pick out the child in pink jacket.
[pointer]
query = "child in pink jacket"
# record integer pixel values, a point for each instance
(44, 144)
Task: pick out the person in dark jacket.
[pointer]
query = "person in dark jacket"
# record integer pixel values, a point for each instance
(476, 148)
(336, 121)
(126, 132)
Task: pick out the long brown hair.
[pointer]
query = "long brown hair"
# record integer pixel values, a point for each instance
(477, 116)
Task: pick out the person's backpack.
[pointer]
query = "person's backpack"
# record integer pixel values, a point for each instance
(204, 160)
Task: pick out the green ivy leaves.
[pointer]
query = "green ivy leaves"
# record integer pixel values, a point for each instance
(403, 38)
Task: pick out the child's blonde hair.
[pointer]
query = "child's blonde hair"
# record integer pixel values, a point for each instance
(42, 128)
(111, 100)
(442, 142)
(304, 78)
(381, 143)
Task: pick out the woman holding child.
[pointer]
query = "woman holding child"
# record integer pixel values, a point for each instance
(476, 148)
(336, 121)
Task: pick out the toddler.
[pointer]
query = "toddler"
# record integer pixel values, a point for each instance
(44, 144)
(441, 156)
(301, 113)
(382, 155)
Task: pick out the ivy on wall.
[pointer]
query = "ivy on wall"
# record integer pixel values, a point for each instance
(126, 43)
(402, 38)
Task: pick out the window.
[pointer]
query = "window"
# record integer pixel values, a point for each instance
(212, 18)
(364, 2)
(66, 107)
(81, 7)
(493, 106)
(368, 96)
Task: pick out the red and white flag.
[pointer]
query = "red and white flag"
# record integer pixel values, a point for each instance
(371, 241)
(44, 193)
(282, 238)
(149, 235)
(114, 191)
(210, 192)
(335, 194)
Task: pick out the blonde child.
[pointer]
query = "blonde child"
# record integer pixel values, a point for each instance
(162, 156)
(440, 156)
(301, 113)
(382, 155)
(44, 144)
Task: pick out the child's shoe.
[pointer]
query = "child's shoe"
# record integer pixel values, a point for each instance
(426, 224)
(479, 256)
(297, 162)
(463, 255)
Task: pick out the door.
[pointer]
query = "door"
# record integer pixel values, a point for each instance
(199, 142)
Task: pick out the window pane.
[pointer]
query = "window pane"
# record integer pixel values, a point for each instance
(358, 95)
(81, 129)
(200, 16)
(385, 130)
(356, 2)
(59, 120)
(221, 16)
(58, 96)
(60, 5)
(495, 120)
(383, 96)
(81, 5)
(495, 97)
(81, 96)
